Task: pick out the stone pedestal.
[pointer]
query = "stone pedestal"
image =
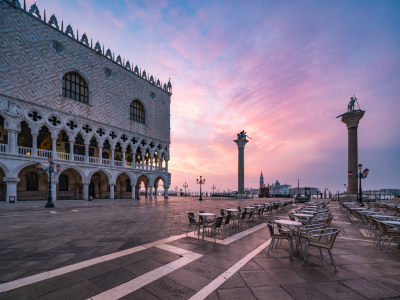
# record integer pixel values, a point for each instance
(351, 119)
(241, 143)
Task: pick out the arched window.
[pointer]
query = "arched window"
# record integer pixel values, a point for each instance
(128, 185)
(63, 183)
(75, 87)
(137, 112)
(32, 182)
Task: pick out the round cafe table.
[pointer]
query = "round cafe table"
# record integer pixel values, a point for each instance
(307, 216)
(205, 215)
(292, 225)
(233, 211)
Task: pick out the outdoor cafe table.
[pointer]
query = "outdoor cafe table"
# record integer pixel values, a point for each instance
(307, 216)
(233, 211)
(205, 215)
(382, 216)
(392, 222)
(292, 225)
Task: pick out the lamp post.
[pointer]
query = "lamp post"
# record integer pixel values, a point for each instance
(201, 181)
(361, 175)
(213, 188)
(185, 186)
(49, 170)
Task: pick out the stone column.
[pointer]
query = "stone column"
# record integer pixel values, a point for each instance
(166, 192)
(100, 155)
(155, 193)
(54, 189)
(241, 143)
(71, 150)
(123, 158)
(133, 191)
(166, 165)
(112, 155)
(143, 161)
(151, 193)
(12, 141)
(151, 162)
(352, 119)
(34, 144)
(86, 152)
(54, 147)
(11, 187)
(85, 191)
(112, 190)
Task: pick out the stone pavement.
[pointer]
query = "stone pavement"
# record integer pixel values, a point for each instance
(129, 249)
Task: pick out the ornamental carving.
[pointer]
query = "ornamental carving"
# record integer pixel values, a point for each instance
(12, 109)
(57, 47)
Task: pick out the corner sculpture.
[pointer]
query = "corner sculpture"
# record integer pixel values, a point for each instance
(241, 142)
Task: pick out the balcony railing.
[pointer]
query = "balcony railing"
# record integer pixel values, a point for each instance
(24, 151)
(93, 160)
(105, 161)
(3, 148)
(80, 158)
(44, 153)
(63, 156)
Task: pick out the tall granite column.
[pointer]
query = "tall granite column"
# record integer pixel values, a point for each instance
(352, 119)
(241, 143)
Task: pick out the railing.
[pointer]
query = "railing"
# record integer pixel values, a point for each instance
(117, 163)
(44, 153)
(63, 156)
(3, 148)
(80, 158)
(128, 165)
(93, 160)
(24, 150)
(138, 166)
(105, 161)
(163, 169)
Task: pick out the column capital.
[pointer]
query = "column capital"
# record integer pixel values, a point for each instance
(112, 184)
(351, 119)
(86, 183)
(241, 143)
(11, 180)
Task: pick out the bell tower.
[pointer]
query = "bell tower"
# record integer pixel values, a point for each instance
(261, 180)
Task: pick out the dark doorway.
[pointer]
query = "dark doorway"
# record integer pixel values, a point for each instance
(91, 189)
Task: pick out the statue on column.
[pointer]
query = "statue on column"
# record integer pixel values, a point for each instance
(242, 135)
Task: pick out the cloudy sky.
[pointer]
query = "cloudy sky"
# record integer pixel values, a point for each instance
(281, 70)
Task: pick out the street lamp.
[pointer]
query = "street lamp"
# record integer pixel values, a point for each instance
(361, 174)
(201, 181)
(49, 170)
(213, 188)
(185, 186)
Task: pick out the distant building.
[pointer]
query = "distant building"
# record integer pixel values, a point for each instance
(279, 189)
(264, 191)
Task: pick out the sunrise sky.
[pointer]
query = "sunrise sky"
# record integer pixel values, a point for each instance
(281, 70)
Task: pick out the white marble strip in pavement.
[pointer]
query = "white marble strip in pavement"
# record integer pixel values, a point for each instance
(234, 237)
(64, 270)
(139, 282)
(217, 282)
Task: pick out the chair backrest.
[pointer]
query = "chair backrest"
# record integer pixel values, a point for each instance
(227, 219)
(333, 238)
(222, 211)
(192, 220)
(291, 217)
(218, 222)
(243, 215)
(250, 214)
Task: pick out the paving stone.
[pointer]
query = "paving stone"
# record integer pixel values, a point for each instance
(213, 296)
(204, 269)
(304, 291)
(251, 265)
(143, 266)
(165, 288)
(269, 263)
(67, 249)
(23, 293)
(285, 276)
(127, 259)
(189, 279)
(57, 283)
(257, 278)
(236, 294)
(311, 274)
(215, 261)
(82, 290)
(111, 279)
(392, 282)
(270, 292)
(140, 294)
(235, 281)
(336, 290)
(369, 289)
(362, 270)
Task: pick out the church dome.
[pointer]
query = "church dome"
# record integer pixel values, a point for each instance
(277, 183)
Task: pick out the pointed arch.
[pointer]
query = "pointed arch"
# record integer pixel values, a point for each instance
(131, 176)
(5, 169)
(108, 174)
(83, 76)
(76, 168)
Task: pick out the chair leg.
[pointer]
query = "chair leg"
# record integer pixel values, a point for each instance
(271, 245)
(188, 230)
(305, 254)
(320, 251)
(332, 261)
(384, 239)
(387, 248)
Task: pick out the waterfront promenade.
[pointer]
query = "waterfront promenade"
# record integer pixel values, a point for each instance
(129, 249)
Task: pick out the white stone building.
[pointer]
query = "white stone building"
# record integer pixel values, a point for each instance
(105, 121)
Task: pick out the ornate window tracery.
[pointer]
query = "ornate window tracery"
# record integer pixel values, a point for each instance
(75, 87)
(137, 112)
